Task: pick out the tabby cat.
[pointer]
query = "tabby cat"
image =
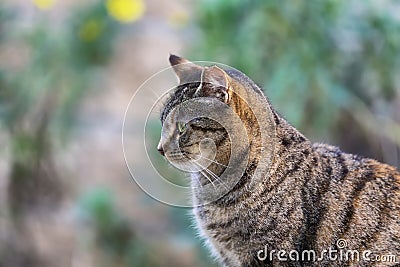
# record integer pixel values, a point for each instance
(295, 203)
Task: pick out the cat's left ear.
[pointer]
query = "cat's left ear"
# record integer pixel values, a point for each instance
(214, 83)
(187, 71)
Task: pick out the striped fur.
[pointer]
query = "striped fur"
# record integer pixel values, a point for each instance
(311, 196)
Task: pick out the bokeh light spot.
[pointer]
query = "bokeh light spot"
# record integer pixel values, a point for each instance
(44, 4)
(90, 30)
(126, 10)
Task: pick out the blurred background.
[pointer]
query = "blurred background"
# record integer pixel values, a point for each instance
(69, 68)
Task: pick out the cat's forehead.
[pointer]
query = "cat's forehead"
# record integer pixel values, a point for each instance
(180, 94)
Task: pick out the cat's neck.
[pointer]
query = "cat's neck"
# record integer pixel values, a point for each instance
(255, 171)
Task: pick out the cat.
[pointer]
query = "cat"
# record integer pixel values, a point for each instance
(296, 203)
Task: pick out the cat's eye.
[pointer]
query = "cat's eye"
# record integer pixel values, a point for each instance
(182, 127)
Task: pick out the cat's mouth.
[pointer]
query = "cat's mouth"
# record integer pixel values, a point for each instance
(185, 161)
(192, 162)
(194, 158)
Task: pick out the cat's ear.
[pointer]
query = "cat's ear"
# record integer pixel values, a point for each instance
(214, 83)
(186, 70)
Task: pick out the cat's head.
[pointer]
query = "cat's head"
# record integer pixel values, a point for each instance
(193, 143)
(208, 117)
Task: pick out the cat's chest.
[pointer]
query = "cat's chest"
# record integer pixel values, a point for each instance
(224, 226)
(219, 230)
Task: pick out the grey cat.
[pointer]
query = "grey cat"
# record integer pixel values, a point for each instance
(275, 199)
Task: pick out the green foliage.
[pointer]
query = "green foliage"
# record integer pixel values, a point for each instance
(315, 58)
(61, 64)
(39, 96)
(38, 104)
(92, 36)
(114, 234)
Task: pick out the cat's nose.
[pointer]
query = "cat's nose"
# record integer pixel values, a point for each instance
(160, 149)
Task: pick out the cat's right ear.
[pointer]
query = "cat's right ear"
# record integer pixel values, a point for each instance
(186, 70)
(214, 83)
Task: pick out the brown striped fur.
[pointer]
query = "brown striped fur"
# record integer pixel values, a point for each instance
(309, 197)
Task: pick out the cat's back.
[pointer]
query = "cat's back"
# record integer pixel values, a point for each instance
(361, 202)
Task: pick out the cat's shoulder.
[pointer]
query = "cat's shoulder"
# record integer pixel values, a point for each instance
(244, 80)
(378, 169)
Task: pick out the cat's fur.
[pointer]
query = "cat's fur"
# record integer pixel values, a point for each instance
(307, 197)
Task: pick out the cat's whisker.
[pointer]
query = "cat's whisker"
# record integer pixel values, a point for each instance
(216, 178)
(198, 181)
(209, 171)
(216, 162)
(202, 170)
(189, 166)
(213, 175)
(208, 178)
